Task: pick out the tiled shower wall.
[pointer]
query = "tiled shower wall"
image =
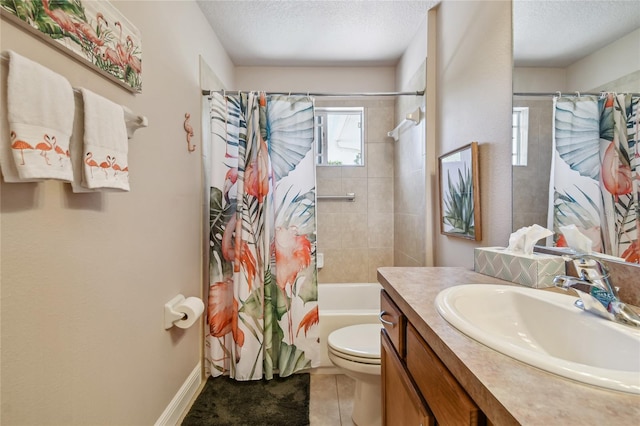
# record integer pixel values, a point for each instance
(357, 237)
(530, 205)
(410, 201)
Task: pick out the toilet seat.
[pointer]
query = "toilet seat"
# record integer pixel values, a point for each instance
(357, 343)
(356, 351)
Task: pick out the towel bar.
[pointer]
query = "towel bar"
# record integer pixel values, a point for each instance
(349, 196)
(133, 121)
(413, 117)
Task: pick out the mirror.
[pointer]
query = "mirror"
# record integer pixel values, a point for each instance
(567, 47)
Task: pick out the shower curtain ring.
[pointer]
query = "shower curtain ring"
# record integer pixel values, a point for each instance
(559, 94)
(577, 93)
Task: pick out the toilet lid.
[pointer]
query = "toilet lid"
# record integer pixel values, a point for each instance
(362, 340)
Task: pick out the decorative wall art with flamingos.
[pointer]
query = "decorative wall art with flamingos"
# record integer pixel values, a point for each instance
(595, 173)
(94, 32)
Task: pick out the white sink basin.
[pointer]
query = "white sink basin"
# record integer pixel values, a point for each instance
(544, 329)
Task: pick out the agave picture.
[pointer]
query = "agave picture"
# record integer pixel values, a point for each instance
(459, 197)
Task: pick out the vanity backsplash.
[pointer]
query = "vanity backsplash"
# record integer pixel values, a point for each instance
(625, 276)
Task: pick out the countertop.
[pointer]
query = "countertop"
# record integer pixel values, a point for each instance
(506, 390)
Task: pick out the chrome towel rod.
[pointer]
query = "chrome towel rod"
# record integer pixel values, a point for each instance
(550, 94)
(349, 196)
(337, 95)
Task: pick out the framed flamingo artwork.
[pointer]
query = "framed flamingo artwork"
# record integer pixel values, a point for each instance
(460, 193)
(93, 32)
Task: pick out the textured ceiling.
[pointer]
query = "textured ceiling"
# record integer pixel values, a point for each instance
(298, 33)
(370, 32)
(558, 33)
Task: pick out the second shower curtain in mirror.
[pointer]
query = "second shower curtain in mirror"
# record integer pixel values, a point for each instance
(596, 171)
(262, 309)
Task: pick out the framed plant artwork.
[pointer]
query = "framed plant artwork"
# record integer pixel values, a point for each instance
(93, 32)
(460, 193)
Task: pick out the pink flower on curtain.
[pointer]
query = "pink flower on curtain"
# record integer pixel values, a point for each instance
(238, 254)
(616, 176)
(256, 177)
(293, 254)
(311, 318)
(632, 253)
(222, 313)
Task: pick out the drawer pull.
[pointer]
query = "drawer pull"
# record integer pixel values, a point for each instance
(383, 313)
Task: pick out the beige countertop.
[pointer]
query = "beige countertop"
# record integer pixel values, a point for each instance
(506, 390)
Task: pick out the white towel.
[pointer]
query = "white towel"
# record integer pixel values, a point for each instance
(8, 166)
(76, 147)
(105, 144)
(40, 110)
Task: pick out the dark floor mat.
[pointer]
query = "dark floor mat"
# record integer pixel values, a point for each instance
(227, 402)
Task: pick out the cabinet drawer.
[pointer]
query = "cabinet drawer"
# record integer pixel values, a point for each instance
(401, 402)
(448, 401)
(393, 321)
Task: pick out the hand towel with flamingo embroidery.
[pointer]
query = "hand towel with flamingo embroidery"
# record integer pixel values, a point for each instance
(106, 144)
(40, 109)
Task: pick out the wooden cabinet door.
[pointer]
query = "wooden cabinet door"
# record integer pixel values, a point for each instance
(446, 398)
(394, 321)
(401, 402)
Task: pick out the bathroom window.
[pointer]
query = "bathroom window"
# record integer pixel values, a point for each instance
(520, 133)
(339, 136)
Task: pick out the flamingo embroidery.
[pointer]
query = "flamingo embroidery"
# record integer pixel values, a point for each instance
(106, 164)
(44, 147)
(19, 144)
(89, 161)
(116, 167)
(62, 154)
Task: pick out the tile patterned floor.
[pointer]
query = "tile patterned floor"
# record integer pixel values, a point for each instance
(331, 400)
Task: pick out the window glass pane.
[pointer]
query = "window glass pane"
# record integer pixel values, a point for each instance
(339, 136)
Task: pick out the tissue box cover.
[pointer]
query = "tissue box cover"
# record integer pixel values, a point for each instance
(536, 270)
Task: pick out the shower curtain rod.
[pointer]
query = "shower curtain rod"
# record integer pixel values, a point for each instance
(571, 93)
(318, 94)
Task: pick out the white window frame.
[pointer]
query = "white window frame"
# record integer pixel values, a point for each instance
(520, 136)
(320, 137)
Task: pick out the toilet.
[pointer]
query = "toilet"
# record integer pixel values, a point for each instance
(356, 350)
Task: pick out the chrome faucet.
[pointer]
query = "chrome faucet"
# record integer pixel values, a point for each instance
(596, 293)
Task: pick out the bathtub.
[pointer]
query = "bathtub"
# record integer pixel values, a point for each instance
(344, 304)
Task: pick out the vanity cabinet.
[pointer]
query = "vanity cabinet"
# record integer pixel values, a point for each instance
(417, 388)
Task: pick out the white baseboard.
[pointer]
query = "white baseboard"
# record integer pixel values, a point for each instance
(180, 402)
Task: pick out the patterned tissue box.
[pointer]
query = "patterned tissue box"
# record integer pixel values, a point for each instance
(536, 270)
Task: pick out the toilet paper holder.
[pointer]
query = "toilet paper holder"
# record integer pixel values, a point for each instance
(170, 314)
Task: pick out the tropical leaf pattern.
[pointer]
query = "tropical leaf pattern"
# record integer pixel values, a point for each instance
(262, 311)
(458, 213)
(95, 30)
(596, 171)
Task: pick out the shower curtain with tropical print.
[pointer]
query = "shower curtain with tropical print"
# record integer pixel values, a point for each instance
(595, 176)
(262, 309)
